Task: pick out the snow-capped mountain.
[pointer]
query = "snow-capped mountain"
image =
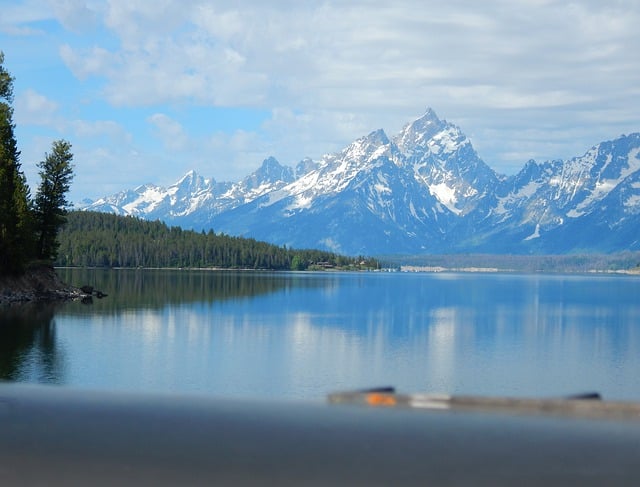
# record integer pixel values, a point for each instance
(357, 201)
(444, 160)
(425, 190)
(193, 201)
(155, 202)
(587, 203)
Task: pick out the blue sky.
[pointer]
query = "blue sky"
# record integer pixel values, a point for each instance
(146, 90)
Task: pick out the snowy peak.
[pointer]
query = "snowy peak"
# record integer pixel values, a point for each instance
(424, 190)
(366, 148)
(191, 183)
(271, 176)
(570, 187)
(575, 204)
(304, 166)
(531, 171)
(270, 172)
(587, 180)
(416, 136)
(444, 160)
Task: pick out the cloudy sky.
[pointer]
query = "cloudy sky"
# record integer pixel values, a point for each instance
(146, 90)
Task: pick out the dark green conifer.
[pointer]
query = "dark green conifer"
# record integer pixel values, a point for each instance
(50, 207)
(16, 239)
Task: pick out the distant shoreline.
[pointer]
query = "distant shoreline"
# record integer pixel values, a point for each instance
(624, 262)
(436, 269)
(42, 283)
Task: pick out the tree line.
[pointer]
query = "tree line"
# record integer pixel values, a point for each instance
(28, 226)
(93, 239)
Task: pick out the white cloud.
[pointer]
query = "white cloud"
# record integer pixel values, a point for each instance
(169, 131)
(16, 14)
(76, 15)
(353, 56)
(33, 108)
(230, 156)
(534, 78)
(113, 131)
(95, 61)
(99, 170)
(19, 30)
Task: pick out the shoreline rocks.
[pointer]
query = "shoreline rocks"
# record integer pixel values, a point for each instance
(39, 283)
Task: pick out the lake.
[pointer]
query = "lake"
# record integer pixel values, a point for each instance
(303, 335)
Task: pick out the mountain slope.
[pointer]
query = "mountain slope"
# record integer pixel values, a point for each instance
(357, 201)
(577, 205)
(444, 160)
(425, 190)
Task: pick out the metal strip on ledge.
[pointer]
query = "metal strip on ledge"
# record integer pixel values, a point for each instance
(583, 405)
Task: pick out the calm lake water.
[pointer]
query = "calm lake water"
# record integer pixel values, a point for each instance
(302, 335)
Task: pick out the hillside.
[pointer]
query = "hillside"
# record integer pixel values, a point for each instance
(93, 239)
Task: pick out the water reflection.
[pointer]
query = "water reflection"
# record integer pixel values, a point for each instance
(127, 288)
(302, 335)
(28, 345)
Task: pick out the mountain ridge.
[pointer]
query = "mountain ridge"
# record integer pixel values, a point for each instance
(424, 190)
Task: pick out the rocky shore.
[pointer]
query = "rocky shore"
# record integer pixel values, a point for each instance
(39, 283)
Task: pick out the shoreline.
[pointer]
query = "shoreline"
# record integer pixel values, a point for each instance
(40, 282)
(437, 269)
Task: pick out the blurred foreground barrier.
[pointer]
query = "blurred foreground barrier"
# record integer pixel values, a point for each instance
(56, 436)
(588, 405)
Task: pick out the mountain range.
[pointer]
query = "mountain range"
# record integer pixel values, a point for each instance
(425, 190)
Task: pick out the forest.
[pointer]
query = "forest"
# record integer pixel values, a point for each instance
(92, 239)
(28, 225)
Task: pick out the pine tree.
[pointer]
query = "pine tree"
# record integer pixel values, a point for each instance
(15, 218)
(50, 208)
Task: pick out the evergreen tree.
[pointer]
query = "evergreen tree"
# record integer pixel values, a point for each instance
(15, 218)
(103, 239)
(50, 208)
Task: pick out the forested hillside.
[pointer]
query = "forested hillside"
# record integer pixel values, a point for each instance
(107, 240)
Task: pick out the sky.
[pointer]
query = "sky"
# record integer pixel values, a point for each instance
(146, 90)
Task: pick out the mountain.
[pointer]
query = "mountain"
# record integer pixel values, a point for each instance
(193, 201)
(589, 203)
(425, 190)
(357, 201)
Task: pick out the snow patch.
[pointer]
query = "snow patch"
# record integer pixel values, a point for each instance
(379, 152)
(301, 202)
(524, 193)
(605, 186)
(146, 201)
(412, 210)
(273, 197)
(445, 195)
(445, 141)
(633, 201)
(535, 234)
